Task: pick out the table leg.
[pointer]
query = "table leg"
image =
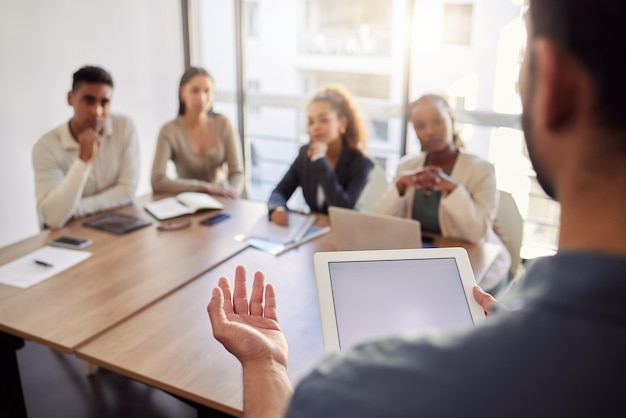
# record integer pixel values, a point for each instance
(12, 403)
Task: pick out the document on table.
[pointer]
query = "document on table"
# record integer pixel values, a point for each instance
(277, 248)
(40, 265)
(266, 230)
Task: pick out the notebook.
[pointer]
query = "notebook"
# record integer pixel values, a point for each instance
(357, 231)
(117, 223)
(370, 295)
(185, 203)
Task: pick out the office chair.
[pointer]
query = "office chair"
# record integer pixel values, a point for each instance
(374, 189)
(509, 225)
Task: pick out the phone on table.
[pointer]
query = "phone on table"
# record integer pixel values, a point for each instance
(428, 242)
(213, 219)
(71, 242)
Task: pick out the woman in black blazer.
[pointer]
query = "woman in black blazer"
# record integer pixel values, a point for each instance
(332, 168)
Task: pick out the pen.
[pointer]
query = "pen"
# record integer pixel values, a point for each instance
(43, 263)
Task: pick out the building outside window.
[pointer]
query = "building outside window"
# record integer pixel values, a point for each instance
(457, 24)
(466, 50)
(252, 19)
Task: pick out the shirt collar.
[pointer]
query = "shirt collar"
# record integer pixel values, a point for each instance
(68, 141)
(575, 280)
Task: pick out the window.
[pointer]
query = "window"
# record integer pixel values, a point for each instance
(374, 86)
(252, 19)
(254, 86)
(347, 27)
(381, 129)
(361, 44)
(457, 24)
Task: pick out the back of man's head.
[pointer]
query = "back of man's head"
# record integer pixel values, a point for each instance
(91, 74)
(593, 32)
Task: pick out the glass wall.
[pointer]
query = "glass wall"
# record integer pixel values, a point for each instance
(468, 50)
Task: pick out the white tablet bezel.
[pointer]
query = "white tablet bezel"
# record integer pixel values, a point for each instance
(324, 289)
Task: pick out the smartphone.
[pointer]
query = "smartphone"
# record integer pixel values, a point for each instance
(428, 242)
(71, 243)
(212, 220)
(427, 239)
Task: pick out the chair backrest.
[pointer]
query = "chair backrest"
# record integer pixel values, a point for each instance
(376, 186)
(510, 226)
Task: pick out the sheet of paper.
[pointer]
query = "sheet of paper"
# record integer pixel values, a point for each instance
(266, 230)
(25, 272)
(277, 248)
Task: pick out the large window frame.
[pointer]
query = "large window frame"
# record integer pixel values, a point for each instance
(245, 99)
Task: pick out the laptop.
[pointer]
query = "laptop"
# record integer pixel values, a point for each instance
(371, 295)
(358, 231)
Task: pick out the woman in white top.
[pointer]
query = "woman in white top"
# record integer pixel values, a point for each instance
(203, 145)
(451, 192)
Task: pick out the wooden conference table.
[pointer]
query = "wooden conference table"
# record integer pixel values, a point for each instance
(137, 306)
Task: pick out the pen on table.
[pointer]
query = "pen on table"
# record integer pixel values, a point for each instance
(43, 263)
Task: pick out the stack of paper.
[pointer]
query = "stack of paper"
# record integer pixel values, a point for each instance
(40, 265)
(267, 230)
(275, 239)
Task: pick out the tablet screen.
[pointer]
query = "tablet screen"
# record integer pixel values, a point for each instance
(377, 299)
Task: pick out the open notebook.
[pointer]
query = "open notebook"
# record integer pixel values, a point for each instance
(185, 203)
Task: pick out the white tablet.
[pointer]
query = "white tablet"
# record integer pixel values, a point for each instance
(368, 295)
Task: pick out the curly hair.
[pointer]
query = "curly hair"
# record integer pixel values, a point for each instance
(355, 136)
(438, 99)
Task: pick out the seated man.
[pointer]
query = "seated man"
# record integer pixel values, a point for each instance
(91, 162)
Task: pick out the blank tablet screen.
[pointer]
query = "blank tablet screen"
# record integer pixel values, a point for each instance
(376, 299)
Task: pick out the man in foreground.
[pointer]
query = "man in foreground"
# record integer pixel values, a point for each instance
(91, 162)
(558, 351)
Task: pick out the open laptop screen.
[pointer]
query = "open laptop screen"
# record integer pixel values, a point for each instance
(374, 299)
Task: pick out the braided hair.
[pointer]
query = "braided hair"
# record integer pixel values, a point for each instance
(438, 99)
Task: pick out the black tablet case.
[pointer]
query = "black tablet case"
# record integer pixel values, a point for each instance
(117, 223)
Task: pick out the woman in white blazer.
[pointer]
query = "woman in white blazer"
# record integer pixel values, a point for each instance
(451, 192)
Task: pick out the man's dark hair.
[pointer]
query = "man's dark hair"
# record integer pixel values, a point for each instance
(593, 32)
(91, 74)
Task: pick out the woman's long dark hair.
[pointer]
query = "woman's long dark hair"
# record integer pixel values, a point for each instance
(190, 73)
